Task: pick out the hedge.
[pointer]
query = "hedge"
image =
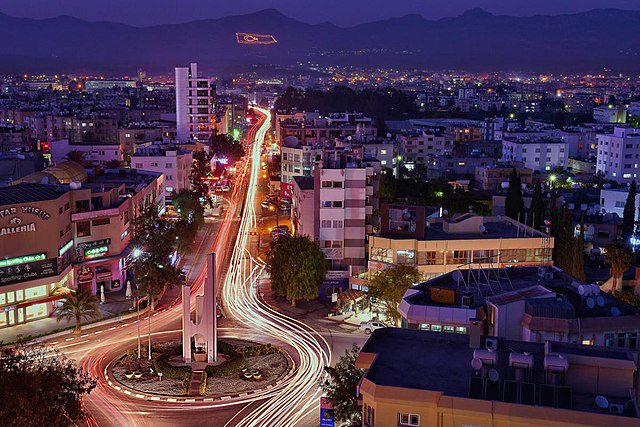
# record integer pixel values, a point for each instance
(228, 367)
(161, 364)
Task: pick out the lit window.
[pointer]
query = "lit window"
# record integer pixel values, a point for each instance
(587, 342)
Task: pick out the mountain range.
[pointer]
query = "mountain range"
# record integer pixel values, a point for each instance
(475, 41)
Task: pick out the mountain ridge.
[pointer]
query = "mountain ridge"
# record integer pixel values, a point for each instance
(476, 40)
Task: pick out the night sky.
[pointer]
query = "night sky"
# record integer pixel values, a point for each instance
(340, 12)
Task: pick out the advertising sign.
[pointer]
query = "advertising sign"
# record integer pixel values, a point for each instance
(286, 190)
(22, 272)
(327, 418)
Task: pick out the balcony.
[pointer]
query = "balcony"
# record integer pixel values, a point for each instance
(333, 253)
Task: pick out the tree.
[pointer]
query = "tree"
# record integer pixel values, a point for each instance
(225, 146)
(537, 209)
(514, 205)
(78, 306)
(191, 219)
(40, 386)
(297, 266)
(340, 387)
(387, 184)
(79, 157)
(200, 171)
(620, 259)
(389, 285)
(577, 258)
(113, 164)
(629, 213)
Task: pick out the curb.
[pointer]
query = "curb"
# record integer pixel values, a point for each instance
(118, 386)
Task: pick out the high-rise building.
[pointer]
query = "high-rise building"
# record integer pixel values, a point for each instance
(195, 105)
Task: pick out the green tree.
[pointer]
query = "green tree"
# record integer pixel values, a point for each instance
(389, 285)
(629, 213)
(200, 171)
(577, 264)
(563, 234)
(190, 219)
(387, 184)
(78, 306)
(297, 267)
(537, 209)
(514, 205)
(79, 157)
(41, 387)
(225, 146)
(620, 259)
(340, 387)
(113, 164)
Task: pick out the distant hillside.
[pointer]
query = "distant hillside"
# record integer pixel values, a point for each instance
(476, 40)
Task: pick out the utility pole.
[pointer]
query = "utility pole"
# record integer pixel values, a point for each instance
(138, 307)
(149, 317)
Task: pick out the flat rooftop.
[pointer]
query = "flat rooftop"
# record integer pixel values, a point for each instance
(29, 193)
(436, 361)
(493, 229)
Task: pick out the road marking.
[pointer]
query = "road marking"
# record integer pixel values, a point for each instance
(140, 396)
(171, 399)
(54, 343)
(127, 392)
(69, 339)
(154, 398)
(118, 387)
(225, 398)
(84, 335)
(97, 332)
(190, 400)
(111, 328)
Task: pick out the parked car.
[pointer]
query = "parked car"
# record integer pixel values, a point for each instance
(266, 204)
(369, 327)
(278, 231)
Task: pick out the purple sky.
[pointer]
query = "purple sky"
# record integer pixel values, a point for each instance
(341, 12)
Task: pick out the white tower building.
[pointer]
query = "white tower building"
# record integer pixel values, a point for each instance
(195, 105)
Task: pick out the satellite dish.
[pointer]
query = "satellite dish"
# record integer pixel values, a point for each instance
(483, 228)
(615, 311)
(600, 301)
(602, 402)
(476, 363)
(591, 303)
(494, 375)
(457, 276)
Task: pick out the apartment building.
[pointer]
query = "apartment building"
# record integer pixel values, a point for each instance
(536, 154)
(619, 154)
(422, 378)
(497, 177)
(100, 129)
(195, 105)
(418, 147)
(172, 161)
(96, 154)
(335, 210)
(313, 129)
(438, 245)
(610, 114)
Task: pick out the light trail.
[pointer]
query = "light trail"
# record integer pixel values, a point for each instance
(301, 393)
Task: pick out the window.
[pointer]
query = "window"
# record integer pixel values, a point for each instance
(369, 416)
(408, 419)
(325, 223)
(333, 244)
(632, 340)
(332, 204)
(430, 258)
(100, 221)
(461, 329)
(381, 254)
(425, 326)
(405, 257)
(448, 328)
(83, 228)
(609, 339)
(337, 224)
(436, 328)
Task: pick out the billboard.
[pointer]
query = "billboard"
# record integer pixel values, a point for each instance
(327, 418)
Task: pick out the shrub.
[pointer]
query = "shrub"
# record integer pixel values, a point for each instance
(169, 371)
(226, 348)
(257, 350)
(228, 367)
(203, 384)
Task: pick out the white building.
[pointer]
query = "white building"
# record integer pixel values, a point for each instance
(97, 154)
(195, 105)
(174, 162)
(613, 201)
(619, 154)
(610, 114)
(419, 147)
(540, 154)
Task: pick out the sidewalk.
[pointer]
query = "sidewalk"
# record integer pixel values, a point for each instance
(116, 304)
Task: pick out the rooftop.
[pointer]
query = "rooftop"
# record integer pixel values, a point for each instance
(304, 182)
(29, 193)
(435, 361)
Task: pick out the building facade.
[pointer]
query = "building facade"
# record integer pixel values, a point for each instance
(195, 105)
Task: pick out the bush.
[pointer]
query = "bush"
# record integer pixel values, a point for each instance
(228, 367)
(257, 350)
(226, 348)
(161, 364)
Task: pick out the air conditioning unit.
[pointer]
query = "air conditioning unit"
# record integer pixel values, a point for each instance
(616, 408)
(491, 343)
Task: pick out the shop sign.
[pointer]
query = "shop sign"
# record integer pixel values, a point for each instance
(327, 418)
(93, 244)
(85, 274)
(25, 271)
(286, 190)
(96, 252)
(16, 227)
(22, 260)
(32, 210)
(65, 248)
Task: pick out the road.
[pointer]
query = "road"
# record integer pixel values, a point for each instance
(293, 402)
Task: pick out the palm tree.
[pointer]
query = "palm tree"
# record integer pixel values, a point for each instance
(78, 306)
(79, 157)
(620, 258)
(113, 164)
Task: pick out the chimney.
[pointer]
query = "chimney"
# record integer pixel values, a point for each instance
(475, 332)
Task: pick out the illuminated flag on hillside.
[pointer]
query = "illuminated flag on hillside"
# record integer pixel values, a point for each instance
(250, 38)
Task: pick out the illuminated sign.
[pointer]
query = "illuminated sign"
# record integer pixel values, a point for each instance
(252, 38)
(63, 250)
(4, 231)
(22, 260)
(25, 210)
(95, 252)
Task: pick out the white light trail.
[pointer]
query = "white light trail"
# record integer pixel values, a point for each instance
(301, 393)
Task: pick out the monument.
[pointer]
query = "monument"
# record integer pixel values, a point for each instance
(204, 329)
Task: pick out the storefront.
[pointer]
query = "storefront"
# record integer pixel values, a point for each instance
(99, 268)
